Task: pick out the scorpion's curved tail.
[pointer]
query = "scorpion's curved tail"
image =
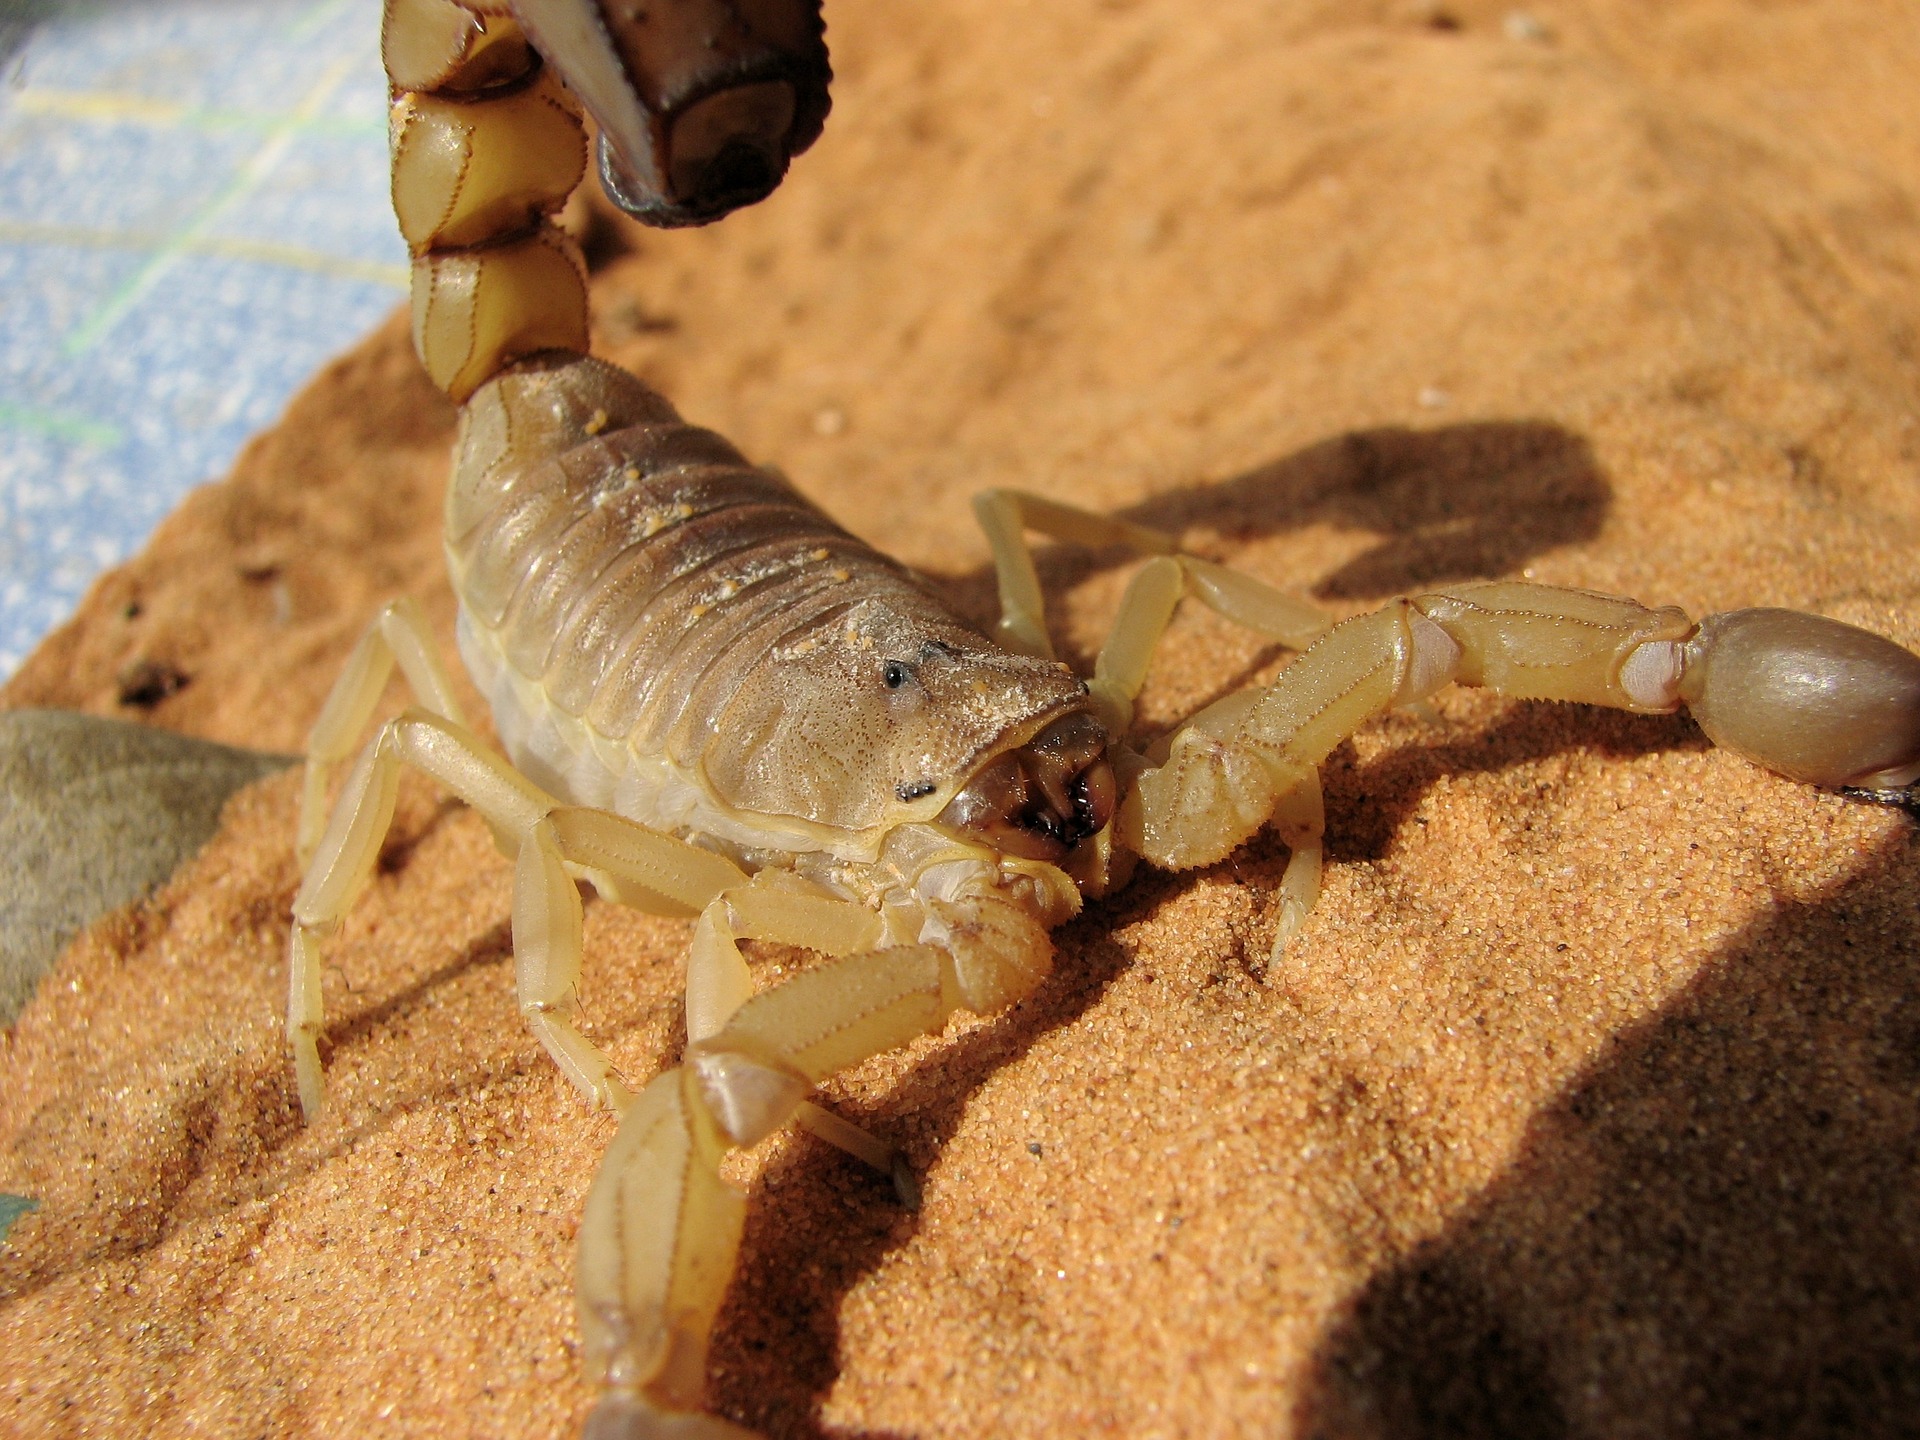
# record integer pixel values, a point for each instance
(487, 145)
(699, 107)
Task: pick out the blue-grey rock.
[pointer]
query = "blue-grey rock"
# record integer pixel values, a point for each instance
(93, 814)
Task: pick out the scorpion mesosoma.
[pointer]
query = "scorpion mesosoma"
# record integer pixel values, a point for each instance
(720, 705)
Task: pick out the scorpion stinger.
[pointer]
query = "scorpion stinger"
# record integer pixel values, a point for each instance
(700, 103)
(719, 704)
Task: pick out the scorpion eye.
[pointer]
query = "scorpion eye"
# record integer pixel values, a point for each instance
(895, 674)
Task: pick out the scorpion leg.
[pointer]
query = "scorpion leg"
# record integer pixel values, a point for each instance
(624, 860)
(1145, 611)
(398, 635)
(661, 1229)
(345, 855)
(552, 844)
(1006, 516)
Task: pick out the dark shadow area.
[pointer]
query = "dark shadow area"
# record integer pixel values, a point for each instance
(492, 947)
(1715, 1232)
(1463, 502)
(1367, 805)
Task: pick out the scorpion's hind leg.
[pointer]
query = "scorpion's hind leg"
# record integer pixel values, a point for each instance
(398, 636)
(346, 850)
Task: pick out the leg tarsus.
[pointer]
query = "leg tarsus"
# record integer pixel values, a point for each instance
(1300, 817)
(864, 1146)
(304, 1016)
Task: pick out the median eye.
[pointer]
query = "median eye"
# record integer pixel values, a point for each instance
(895, 674)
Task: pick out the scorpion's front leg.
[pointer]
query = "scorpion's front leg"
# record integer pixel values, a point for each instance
(661, 1229)
(1811, 698)
(1120, 670)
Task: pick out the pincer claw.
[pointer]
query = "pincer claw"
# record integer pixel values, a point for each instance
(1814, 699)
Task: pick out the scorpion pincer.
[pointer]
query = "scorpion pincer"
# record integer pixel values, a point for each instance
(721, 705)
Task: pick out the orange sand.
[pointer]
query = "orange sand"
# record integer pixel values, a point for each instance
(1589, 1101)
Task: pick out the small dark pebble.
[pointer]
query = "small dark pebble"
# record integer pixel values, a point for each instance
(145, 683)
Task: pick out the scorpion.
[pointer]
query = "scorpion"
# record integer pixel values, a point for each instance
(720, 705)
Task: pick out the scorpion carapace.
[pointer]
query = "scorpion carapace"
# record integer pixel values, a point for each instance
(703, 612)
(721, 705)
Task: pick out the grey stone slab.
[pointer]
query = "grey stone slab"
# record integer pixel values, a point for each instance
(93, 814)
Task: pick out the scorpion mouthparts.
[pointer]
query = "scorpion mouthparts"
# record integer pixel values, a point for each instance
(1041, 800)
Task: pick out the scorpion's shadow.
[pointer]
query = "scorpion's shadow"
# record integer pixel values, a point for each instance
(1714, 1231)
(1459, 502)
(1451, 503)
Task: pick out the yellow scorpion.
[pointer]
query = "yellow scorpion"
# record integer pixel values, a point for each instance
(720, 704)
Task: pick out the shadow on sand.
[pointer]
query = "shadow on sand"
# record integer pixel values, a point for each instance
(1715, 1232)
(1462, 502)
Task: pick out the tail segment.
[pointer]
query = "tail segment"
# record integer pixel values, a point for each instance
(487, 145)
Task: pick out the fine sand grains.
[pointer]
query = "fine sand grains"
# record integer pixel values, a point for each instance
(1588, 1102)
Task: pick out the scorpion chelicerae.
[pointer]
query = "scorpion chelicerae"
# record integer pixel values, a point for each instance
(721, 705)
